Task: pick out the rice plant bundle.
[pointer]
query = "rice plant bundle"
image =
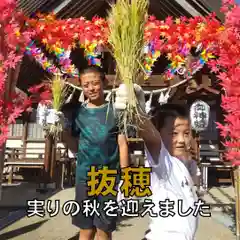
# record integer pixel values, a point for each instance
(59, 95)
(127, 20)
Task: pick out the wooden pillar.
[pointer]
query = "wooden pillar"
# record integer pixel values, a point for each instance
(237, 200)
(49, 146)
(197, 139)
(220, 119)
(53, 161)
(2, 157)
(25, 131)
(196, 135)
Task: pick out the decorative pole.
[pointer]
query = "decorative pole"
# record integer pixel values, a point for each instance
(237, 197)
(2, 154)
(52, 120)
(48, 160)
(53, 162)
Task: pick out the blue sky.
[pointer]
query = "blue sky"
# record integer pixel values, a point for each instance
(237, 1)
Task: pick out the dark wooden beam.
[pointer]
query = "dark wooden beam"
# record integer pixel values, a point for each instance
(53, 161)
(220, 119)
(203, 89)
(180, 95)
(49, 148)
(25, 131)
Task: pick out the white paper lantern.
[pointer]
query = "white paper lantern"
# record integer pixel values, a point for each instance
(199, 115)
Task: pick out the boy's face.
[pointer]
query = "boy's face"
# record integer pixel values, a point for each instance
(176, 135)
(92, 86)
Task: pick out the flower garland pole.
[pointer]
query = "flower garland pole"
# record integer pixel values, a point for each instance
(54, 127)
(13, 39)
(237, 197)
(227, 68)
(51, 96)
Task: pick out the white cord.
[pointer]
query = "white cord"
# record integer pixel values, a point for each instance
(146, 92)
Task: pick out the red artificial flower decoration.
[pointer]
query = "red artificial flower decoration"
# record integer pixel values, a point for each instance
(13, 39)
(228, 68)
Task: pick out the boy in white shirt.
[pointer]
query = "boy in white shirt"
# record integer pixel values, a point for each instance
(171, 178)
(168, 135)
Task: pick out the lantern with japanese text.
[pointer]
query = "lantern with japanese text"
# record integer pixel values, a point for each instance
(199, 115)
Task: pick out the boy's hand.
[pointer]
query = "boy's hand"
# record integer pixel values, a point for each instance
(147, 131)
(122, 97)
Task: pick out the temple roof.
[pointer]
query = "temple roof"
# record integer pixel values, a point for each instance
(89, 8)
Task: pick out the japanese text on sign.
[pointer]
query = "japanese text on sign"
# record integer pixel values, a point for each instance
(199, 113)
(136, 182)
(128, 208)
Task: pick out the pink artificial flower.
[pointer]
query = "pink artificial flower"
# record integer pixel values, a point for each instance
(169, 20)
(3, 134)
(228, 2)
(2, 81)
(15, 114)
(7, 3)
(36, 88)
(152, 18)
(12, 60)
(233, 17)
(213, 65)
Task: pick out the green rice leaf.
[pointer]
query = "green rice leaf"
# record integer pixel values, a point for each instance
(59, 91)
(127, 20)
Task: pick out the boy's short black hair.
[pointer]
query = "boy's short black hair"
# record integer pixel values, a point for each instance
(94, 69)
(161, 113)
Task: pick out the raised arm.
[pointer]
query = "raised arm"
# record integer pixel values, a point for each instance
(151, 136)
(147, 130)
(123, 151)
